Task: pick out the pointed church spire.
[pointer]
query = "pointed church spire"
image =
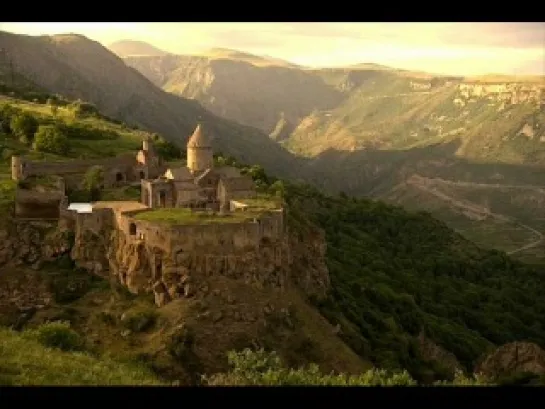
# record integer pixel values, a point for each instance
(199, 139)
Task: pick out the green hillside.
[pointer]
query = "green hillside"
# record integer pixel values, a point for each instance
(396, 275)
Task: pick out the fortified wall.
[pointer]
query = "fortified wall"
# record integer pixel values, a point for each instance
(120, 169)
(174, 260)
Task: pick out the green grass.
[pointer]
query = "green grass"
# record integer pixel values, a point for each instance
(261, 203)
(186, 216)
(24, 361)
(123, 193)
(90, 137)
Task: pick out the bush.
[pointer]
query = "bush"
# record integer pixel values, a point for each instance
(58, 335)
(69, 287)
(140, 321)
(266, 368)
(82, 109)
(24, 126)
(50, 138)
(181, 342)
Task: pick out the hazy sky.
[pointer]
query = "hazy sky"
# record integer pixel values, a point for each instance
(456, 48)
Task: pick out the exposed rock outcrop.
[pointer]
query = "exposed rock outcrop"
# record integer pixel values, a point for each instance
(32, 242)
(430, 351)
(143, 268)
(515, 357)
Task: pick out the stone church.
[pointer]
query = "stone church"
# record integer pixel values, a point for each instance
(198, 185)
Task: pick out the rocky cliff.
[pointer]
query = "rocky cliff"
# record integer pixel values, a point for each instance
(144, 268)
(32, 242)
(512, 358)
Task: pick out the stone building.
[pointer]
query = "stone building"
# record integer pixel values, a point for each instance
(121, 170)
(198, 185)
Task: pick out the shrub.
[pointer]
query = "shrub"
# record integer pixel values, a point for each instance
(58, 335)
(266, 368)
(24, 126)
(140, 321)
(49, 138)
(69, 287)
(181, 342)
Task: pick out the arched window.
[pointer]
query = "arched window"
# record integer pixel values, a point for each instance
(132, 229)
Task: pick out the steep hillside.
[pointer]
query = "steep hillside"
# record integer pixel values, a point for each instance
(272, 98)
(407, 290)
(77, 67)
(126, 48)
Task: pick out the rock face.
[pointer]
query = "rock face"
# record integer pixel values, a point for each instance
(32, 242)
(89, 252)
(513, 358)
(162, 267)
(433, 352)
(143, 268)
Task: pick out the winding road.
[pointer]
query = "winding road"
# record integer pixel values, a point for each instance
(423, 184)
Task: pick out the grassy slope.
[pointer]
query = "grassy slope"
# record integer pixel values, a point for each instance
(26, 362)
(110, 139)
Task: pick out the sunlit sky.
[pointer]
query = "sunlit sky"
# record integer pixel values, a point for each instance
(453, 48)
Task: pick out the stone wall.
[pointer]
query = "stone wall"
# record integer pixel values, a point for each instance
(174, 261)
(117, 171)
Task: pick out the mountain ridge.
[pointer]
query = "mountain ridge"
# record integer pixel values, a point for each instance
(80, 68)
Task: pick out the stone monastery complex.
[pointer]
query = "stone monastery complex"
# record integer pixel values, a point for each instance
(219, 225)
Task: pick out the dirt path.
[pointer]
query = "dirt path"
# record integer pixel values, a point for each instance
(476, 210)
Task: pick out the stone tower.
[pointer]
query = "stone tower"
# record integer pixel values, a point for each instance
(199, 151)
(147, 145)
(17, 168)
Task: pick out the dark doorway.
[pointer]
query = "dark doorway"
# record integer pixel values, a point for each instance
(118, 177)
(162, 198)
(147, 200)
(158, 269)
(132, 229)
(142, 175)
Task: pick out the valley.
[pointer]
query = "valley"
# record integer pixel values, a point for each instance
(413, 248)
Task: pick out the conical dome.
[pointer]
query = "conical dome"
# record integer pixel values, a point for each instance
(199, 139)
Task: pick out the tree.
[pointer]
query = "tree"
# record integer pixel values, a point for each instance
(24, 126)
(167, 150)
(278, 188)
(93, 181)
(50, 138)
(7, 112)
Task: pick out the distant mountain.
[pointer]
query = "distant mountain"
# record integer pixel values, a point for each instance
(235, 55)
(126, 48)
(76, 67)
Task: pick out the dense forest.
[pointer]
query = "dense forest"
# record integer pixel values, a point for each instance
(397, 274)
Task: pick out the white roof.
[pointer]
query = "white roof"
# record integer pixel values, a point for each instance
(81, 207)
